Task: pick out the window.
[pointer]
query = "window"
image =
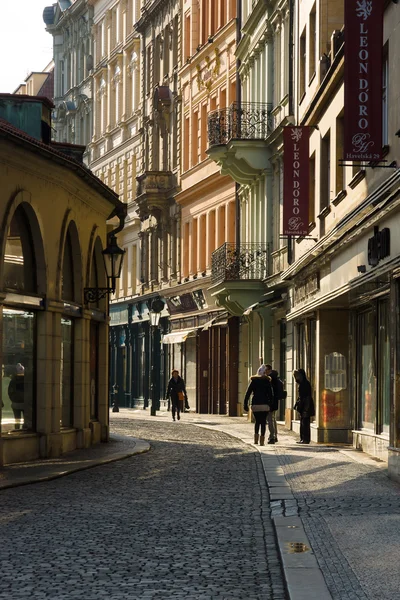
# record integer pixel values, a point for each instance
(19, 257)
(313, 43)
(18, 372)
(302, 58)
(203, 132)
(195, 138)
(325, 170)
(311, 201)
(340, 171)
(188, 52)
(367, 371)
(186, 145)
(68, 291)
(385, 109)
(67, 371)
(94, 369)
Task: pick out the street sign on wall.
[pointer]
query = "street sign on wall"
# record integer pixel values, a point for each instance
(296, 180)
(363, 79)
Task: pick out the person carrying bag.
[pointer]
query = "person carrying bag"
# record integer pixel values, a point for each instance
(261, 391)
(176, 392)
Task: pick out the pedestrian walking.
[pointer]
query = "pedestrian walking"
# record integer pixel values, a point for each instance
(176, 393)
(304, 405)
(278, 394)
(260, 390)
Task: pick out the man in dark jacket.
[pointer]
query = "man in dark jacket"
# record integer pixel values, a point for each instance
(176, 391)
(304, 405)
(262, 397)
(277, 388)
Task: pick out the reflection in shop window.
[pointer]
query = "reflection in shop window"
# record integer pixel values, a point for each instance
(335, 372)
(19, 257)
(18, 371)
(66, 372)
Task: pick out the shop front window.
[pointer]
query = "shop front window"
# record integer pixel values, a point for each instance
(94, 370)
(301, 346)
(367, 378)
(67, 371)
(18, 399)
(384, 368)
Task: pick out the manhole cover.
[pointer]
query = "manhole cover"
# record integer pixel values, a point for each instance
(296, 547)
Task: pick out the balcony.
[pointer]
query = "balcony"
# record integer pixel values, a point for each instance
(154, 191)
(236, 137)
(237, 275)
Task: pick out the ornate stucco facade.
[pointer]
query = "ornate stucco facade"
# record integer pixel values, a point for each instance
(70, 24)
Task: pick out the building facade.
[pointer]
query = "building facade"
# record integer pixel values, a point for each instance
(54, 346)
(343, 303)
(70, 23)
(246, 142)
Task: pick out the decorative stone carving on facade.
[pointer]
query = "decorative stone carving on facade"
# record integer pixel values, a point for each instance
(133, 64)
(102, 91)
(117, 78)
(206, 77)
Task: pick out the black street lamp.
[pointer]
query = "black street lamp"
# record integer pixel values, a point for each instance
(156, 307)
(113, 256)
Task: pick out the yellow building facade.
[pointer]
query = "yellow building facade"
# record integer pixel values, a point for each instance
(54, 346)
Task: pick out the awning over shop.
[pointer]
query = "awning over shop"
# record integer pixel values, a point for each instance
(176, 337)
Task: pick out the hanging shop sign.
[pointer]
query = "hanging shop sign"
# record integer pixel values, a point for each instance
(378, 246)
(296, 182)
(363, 79)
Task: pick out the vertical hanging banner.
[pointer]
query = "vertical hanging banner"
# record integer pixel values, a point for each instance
(363, 54)
(296, 180)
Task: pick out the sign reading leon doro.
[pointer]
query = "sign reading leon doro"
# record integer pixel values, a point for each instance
(363, 26)
(296, 175)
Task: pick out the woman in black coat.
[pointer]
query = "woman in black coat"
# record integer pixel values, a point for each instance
(261, 389)
(176, 391)
(304, 405)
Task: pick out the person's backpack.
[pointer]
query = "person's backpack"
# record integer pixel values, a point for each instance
(279, 389)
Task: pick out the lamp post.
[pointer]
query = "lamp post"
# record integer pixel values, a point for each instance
(113, 256)
(157, 306)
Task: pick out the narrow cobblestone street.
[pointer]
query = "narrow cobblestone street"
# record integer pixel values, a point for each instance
(189, 519)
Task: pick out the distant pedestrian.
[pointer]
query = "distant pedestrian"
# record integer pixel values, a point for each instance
(261, 391)
(279, 394)
(176, 393)
(304, 405)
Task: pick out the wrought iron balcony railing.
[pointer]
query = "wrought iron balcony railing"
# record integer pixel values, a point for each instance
(230, 262)
(245, 121)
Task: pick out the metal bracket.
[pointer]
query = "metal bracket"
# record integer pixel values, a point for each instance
(96, 294)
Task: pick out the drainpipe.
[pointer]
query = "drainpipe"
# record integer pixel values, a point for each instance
(239, 102)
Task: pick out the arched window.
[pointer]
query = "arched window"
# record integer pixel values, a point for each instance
(68, 288)
(19, 257)
(71, 273)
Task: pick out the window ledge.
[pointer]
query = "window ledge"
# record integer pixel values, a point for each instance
(312, 78)
(357, 178)
(324, 212)
(339, 197)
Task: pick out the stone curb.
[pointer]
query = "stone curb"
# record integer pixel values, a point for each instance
(140, 447)
(303, 577)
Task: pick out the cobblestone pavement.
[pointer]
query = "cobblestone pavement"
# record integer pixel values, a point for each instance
(189, 519)
(351, 514)
(349, 508)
